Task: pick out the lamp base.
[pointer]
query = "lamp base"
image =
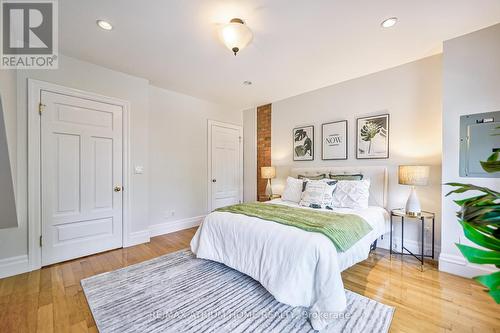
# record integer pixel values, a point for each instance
(413, 204)
(414, 214)
(269, 189)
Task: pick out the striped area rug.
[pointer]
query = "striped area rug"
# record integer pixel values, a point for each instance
(180, 293)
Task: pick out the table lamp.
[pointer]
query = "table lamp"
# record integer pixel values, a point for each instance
(413, 175)
(268, 173)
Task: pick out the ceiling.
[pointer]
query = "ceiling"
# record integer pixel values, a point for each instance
(298, 46)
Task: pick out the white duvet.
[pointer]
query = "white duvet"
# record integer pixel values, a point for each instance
(297, 267)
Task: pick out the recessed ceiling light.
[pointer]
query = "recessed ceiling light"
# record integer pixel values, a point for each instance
(390, 22)
(247, 83)
(104, 25)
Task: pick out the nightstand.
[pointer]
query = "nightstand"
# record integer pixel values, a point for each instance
(264, 197)
(420, 218)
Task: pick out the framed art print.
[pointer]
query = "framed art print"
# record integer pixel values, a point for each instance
(303, 143)
(372, 137)
(334, 140)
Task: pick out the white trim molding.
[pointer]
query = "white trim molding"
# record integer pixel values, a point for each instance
(35, 88)
(458, 265)
(412, 245)
(20, 264)
(14, 265)
(173, 226)
(136, 238)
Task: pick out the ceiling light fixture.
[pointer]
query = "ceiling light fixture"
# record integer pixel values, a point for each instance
(104, 25)
(236, 35)
(390, 22)
(247, 83)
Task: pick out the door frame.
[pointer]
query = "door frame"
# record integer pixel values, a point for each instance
(35, 87)
(210, 123)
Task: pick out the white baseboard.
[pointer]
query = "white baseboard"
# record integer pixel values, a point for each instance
(20, 264)
(144, 236)
(412, 245)
(173, 226)
(458, 265)
(137, 237)
(14, 265)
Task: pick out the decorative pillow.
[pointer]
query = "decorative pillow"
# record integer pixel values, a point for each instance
(351, 194)
(317, 177)
(347, 177)
(293, 190)
(318, 193)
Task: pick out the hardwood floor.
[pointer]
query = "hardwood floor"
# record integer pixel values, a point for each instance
(52, 300)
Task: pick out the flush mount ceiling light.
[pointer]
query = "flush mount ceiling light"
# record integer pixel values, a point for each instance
(247, 83)
(236, 35)
(390, 22)
(104, 25)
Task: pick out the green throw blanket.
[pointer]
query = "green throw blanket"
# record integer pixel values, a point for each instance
(344, 230)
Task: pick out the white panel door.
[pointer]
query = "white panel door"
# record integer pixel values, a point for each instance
(226, 165)
(81, 177)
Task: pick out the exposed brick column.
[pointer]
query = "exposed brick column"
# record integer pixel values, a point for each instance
(263, 144)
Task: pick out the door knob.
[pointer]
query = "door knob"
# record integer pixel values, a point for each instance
(118, 189)
(214, 180)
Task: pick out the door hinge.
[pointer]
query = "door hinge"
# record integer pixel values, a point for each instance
(40, 241)
(41, 108)
(240, 138)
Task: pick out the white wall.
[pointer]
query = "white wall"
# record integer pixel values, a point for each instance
(8, 217)
(178, 151)
(85, 76)
(8, 93)
(168, 137)
(250, 154)
(471, 78)
(411, 94)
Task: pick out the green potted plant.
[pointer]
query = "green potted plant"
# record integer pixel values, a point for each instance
(480, 220)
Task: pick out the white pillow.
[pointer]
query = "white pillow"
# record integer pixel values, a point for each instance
(293, 190)
(351, 194)
(318, 193)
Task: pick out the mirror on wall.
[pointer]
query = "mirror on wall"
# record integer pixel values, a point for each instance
(8, 216)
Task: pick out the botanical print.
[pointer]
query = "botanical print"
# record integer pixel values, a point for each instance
(373, 137)
(334, 140)
(303, 143)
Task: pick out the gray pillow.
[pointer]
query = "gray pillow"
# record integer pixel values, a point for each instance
(347, 177)
(317, 177)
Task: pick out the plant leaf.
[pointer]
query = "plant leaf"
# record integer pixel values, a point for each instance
(491, 281)
(479, 200)
(478, 256)
(470, 187)
(300, 134)
(470, 213)
(493, 157)
(479, 237)
(490, 166)
(495, 294)
(485, 229)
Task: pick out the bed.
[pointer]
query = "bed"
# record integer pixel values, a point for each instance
(297, 267)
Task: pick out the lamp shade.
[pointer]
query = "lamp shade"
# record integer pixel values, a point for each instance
(236, 35)
(268, 172)
(413, 175)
